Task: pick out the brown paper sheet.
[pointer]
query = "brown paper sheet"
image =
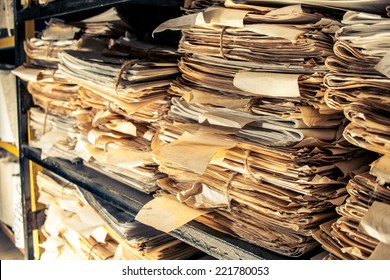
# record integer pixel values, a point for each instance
(376, 222)
(165, 213)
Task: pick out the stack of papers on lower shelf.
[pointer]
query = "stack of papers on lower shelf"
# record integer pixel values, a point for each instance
(359, 85)
(81, 226)
(249, 138)
(362, 230)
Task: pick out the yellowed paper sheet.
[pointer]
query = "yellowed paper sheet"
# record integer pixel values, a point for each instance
(194, 151)
(180, 23)
(27, 74)
(225, 16)
(268, 84)
(166, 213)
(376, 222)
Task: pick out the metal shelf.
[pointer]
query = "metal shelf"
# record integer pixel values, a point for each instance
(10, 148)
(7, 42)
(212, 242)
(62, 7)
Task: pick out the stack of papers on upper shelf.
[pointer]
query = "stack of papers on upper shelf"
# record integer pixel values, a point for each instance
(111, 88)
(359, 83)
(127, 99)
(360, 232)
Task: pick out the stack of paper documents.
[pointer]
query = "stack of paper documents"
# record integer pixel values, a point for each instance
(248, 133)
(359, 82)
(43, 50)
(143, 241)
(274, 197)
(72, 228)
(362, 230)
(127, 96)
(56, 136)
(127, 99)
(75, 230)
(359, 85)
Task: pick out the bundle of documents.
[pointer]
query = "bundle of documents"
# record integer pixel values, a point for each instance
(362, 230)
(75, 230)
(43, 50)
(359, 82)
(359, 85)
(249, 137)
(56, 136)
(127, 96)
(127, 101)
(72, 229)
(143, 241)
(258, 191)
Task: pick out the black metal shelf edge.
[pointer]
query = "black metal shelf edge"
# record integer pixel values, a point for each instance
(212, 242)
(62, 7)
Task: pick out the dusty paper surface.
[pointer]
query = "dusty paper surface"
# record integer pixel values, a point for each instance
(269, 84)
(166, 213)
(195, 151)
(376, 222)
(384, 65)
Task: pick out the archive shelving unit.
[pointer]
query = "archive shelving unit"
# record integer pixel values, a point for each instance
(214, 243)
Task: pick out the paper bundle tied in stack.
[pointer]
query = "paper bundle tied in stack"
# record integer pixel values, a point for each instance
(362, 230)
(249, 138)
(358, 85)
(81, 226)
(359, 82)
(56, 97)
(127, 96)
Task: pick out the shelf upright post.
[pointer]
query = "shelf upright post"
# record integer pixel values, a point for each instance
(24, 102)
